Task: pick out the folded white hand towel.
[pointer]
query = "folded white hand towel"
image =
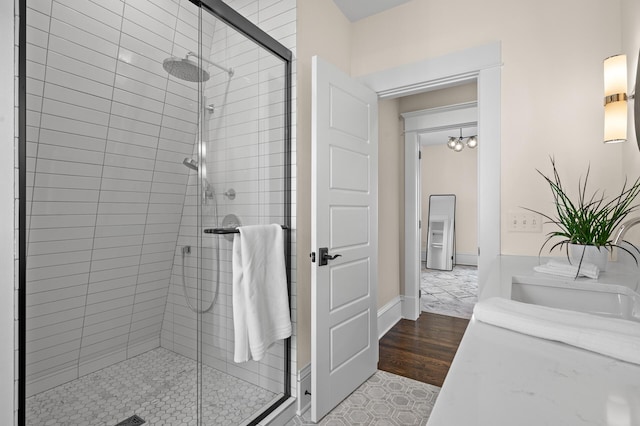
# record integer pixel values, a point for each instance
(260, 299)
(613, 337)
(563, 269)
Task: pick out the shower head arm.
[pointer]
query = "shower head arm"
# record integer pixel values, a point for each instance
(227, 70)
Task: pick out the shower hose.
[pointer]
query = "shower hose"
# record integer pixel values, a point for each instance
(217, 255)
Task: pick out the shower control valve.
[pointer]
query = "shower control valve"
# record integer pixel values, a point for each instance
(230, 194)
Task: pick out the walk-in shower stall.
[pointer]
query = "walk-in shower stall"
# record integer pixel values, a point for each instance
(147, 122)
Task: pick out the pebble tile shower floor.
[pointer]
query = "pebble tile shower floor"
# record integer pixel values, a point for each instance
(159, 386)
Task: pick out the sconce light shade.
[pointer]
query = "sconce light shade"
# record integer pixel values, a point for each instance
(452, 142)
(615, 122)
(615, 99)
(615, 75)
(472, 142)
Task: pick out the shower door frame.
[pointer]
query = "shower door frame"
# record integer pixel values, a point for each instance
(232, 18)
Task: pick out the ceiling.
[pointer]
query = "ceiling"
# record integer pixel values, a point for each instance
(355, 10)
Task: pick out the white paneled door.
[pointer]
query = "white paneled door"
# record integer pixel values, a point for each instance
(344, 337)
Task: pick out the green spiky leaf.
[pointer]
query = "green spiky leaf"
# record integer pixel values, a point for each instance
(587, 220)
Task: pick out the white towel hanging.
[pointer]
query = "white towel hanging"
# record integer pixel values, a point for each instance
(562, 269)
(261, 313)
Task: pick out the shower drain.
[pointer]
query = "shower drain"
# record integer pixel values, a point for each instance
(131, 421)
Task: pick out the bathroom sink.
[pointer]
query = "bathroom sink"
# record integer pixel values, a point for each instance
(594, 298)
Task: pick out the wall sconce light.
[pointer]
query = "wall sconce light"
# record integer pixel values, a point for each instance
(615, 99)
(458, 143)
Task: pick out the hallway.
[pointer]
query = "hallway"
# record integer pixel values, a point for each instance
(452, 293)
(422, 350)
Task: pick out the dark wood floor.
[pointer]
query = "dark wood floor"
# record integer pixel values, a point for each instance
(422, 350)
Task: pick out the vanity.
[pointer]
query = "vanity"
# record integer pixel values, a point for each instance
(501, 377)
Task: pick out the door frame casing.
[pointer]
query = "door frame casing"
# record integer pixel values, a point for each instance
(482, 63)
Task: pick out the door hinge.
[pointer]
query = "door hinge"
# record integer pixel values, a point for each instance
(419, 155)
(420, 224)
(312, 255)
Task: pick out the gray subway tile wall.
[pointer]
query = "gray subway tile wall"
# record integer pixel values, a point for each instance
(109, 202)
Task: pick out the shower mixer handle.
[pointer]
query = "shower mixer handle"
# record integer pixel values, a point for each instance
(230, 194)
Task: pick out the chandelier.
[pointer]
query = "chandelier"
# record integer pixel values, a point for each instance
(457, 143)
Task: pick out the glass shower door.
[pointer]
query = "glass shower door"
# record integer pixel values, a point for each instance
(244, 181)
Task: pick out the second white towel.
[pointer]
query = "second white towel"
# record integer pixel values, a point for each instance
(613, 337)
(260, 299)
(562, 269)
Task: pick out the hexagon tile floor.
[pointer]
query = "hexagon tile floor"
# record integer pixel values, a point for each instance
(453, 293)
(384, 399)
(159, 386)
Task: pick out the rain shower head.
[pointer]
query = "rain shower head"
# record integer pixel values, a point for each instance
(185, 69)
(190, 163)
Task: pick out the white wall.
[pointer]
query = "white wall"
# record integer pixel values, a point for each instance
(8, 212)
(447, 172)
(321, 30)
(551, 84)
(631, 47)
(391, 198)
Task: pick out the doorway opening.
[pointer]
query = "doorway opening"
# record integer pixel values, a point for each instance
(483, 64)
(448, 196)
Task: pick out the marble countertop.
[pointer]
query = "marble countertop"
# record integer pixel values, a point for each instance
(503, 378)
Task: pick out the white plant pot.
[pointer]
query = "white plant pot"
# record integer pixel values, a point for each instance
(598, 256)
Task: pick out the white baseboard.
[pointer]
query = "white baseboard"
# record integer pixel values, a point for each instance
(466, 259)
(389, 315)
(304, 384)
(410, 307)
(461, 259)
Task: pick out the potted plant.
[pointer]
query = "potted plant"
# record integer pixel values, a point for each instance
(588, 222)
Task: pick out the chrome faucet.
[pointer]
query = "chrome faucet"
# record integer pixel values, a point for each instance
(624, 228)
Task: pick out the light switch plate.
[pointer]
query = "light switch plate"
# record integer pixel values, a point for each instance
(524, 221)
